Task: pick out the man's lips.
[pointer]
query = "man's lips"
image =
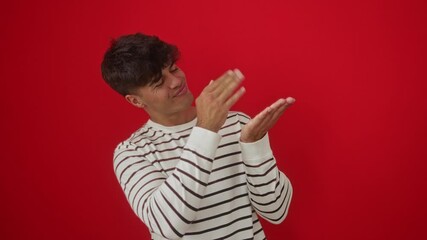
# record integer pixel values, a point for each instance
(182, 90)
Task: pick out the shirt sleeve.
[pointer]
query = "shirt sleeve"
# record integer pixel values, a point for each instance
(167, 204)
(270, 191)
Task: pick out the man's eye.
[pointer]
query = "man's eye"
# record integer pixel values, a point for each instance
(174, 69)
(158, 84)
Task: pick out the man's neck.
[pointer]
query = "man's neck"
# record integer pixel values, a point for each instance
(176, 119)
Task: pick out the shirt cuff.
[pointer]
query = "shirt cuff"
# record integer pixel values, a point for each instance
(256, 151)
(204, 141)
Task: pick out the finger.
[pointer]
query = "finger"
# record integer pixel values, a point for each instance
(277, 104)
(271, 114)
(280, 110)
(227, 77)
(287, 103)
(272, 108)
(229, 86)
(239, 74)
(276, 115)
(257, 127)
(262, 117)
(266, 119)
(282, 104)
(225, 85)
(235, 97)
(290, 100)
(213, 84)
(263, 124)
(269, 111)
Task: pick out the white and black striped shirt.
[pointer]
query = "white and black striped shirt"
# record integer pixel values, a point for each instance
(186, 182)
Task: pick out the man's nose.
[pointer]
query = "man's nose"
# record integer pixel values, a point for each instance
(172, 81)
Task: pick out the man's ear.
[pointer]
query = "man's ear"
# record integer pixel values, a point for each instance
(135, 101)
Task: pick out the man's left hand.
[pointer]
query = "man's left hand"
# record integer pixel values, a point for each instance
(257, 127)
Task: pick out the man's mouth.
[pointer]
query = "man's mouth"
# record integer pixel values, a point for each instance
(182, 90)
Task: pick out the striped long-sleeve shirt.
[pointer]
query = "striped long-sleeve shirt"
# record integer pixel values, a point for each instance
(186, 182)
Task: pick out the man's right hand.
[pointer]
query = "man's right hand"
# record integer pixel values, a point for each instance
(217, 98)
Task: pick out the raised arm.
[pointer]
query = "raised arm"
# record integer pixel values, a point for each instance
(270, 190)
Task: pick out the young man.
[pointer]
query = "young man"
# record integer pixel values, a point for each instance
(200, 172)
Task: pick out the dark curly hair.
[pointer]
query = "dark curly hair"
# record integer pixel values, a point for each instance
(136, 60)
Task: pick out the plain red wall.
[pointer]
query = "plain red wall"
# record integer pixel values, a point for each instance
(353, 144)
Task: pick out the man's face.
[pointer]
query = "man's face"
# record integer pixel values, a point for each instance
(170, 96)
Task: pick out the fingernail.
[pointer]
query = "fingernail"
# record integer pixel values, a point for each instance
(239, 74)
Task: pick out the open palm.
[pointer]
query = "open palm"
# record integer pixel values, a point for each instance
(257, 127)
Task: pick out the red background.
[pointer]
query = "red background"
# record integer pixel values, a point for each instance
(353, 144)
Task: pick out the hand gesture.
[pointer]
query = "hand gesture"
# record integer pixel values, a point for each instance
(217, 98)
(257, 127)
